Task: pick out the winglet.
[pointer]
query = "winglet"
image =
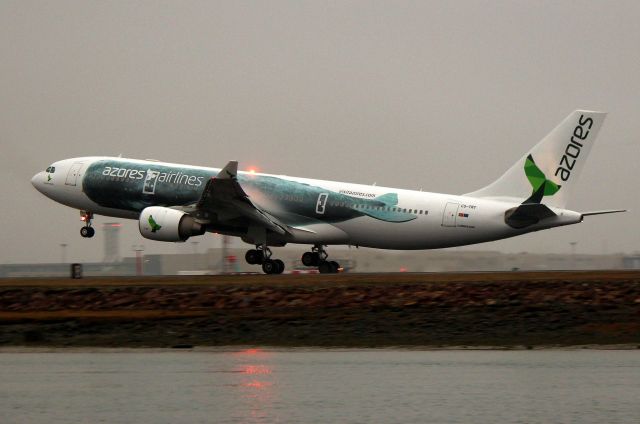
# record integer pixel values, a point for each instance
(229, 172)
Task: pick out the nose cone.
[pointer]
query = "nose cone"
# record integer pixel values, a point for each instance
(37, 181)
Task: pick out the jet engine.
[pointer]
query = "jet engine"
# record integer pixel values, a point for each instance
(166, 224)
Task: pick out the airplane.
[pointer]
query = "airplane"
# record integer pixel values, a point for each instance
(173, 202)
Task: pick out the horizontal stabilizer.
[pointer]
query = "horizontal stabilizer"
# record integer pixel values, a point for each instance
(527, 214)
(603, 212)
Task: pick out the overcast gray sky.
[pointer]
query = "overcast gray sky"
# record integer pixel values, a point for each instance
(443, 96)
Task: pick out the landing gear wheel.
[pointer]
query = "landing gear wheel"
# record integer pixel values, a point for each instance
(310, 258)
(87, 232)
(325, 267)
(335, 266)
(279, 266)
(253, 257)
(270, 266)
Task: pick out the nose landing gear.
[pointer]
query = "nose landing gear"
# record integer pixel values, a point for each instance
(318, 257)
(261, 255)
(87, 231)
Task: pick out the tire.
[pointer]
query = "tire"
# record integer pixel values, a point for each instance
(84, 232)
(279, 266)
(325, 267)
(91, 232)
(335, 266)
(253, 257)
(310, 259)
(269, 266)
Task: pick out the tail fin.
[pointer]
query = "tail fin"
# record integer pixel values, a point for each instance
(547, 173)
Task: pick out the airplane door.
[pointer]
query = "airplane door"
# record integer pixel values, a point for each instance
(450, 214)
(74, 172)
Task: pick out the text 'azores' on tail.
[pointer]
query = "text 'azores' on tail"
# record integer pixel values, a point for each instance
(548, 172)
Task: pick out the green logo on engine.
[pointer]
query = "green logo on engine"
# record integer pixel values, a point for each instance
(154, 225)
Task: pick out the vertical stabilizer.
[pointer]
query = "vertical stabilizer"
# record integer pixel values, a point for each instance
(547, 173)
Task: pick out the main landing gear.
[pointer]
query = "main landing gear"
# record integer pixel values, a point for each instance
(261, 255)
(87, 231)
(318, 257)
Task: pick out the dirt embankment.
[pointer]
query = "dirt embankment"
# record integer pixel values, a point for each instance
(484, 309)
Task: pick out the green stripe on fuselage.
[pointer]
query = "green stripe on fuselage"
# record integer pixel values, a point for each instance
(134, 186)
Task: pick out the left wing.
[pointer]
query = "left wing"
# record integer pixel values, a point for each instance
(223, 195)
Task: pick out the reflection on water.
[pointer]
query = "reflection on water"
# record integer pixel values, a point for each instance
(310, 386)
(256, 387)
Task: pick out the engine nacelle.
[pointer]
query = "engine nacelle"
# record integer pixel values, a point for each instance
(165, 224)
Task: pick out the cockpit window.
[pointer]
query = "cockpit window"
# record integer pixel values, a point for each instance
(51, 169)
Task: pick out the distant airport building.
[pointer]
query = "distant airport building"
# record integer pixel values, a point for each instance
(631, 262)
(215, 261)
(111, 241)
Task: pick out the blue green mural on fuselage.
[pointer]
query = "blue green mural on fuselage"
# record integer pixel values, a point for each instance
(134, 186)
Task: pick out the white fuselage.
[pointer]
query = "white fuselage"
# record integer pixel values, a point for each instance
(441, 220)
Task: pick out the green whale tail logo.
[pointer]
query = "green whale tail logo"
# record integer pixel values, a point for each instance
(540, 184)
(154, 225)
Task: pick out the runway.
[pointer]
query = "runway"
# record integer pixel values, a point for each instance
(329, 279)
